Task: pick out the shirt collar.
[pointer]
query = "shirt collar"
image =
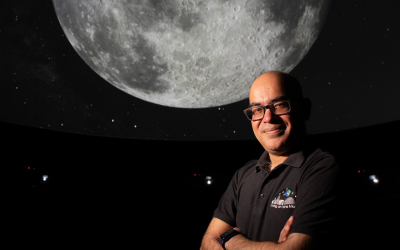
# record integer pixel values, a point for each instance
(295, 159)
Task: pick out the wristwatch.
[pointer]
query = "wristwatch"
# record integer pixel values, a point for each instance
(227, 236)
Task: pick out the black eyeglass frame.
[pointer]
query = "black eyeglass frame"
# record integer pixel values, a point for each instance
(265, 107)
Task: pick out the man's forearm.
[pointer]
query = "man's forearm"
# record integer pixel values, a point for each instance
(209, 242)
(242, 243)
(294, 242)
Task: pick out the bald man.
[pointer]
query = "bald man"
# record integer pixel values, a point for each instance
(287, 198)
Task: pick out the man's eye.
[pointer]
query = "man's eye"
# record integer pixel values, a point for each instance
(280, 104)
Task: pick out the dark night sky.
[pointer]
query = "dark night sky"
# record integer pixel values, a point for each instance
(351, 74)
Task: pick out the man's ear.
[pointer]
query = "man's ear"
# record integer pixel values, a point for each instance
(306, 106)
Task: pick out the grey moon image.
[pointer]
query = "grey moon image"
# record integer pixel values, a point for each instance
(189, 53)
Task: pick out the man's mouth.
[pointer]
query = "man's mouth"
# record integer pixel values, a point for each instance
(274, 130)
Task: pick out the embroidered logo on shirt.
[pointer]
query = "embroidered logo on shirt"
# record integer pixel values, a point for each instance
(285, 199)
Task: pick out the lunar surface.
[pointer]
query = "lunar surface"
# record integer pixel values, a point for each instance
(189, 53)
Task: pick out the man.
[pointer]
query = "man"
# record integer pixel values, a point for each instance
(286, 199)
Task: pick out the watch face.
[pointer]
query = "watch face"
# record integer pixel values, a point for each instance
(224, 235)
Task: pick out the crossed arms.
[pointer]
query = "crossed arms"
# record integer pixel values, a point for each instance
(217, 227)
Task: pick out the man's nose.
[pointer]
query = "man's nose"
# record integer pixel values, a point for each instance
(268, 116)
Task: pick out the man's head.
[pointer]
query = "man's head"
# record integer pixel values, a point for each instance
(278, 133)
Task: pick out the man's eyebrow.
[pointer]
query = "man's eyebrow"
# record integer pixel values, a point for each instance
(254, 104)
(279, 98)
(276, 99)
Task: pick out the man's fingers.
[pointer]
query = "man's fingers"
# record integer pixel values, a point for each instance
(284, 233)
(290, 220)
(286, 229)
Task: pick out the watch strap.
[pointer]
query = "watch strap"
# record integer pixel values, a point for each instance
(227, 236)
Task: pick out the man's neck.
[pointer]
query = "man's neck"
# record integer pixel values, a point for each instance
(276, 160)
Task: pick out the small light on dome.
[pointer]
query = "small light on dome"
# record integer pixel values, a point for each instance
(209, 180)
(45, 177)
(374, 179)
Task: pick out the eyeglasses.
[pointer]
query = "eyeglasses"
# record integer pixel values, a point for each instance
(277, 108)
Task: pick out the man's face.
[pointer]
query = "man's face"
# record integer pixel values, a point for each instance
(277, 134)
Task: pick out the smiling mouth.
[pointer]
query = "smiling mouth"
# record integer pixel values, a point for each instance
(273, 130)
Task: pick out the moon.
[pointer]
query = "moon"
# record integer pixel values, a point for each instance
(189, 53)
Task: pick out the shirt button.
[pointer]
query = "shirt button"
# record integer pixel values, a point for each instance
(261, 195)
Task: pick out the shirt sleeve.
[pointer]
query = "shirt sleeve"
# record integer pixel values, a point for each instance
(226, 210)
(316, 209)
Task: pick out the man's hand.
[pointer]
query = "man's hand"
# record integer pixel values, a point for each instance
(286, 229)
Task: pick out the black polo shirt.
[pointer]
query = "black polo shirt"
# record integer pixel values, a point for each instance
(305, 185)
